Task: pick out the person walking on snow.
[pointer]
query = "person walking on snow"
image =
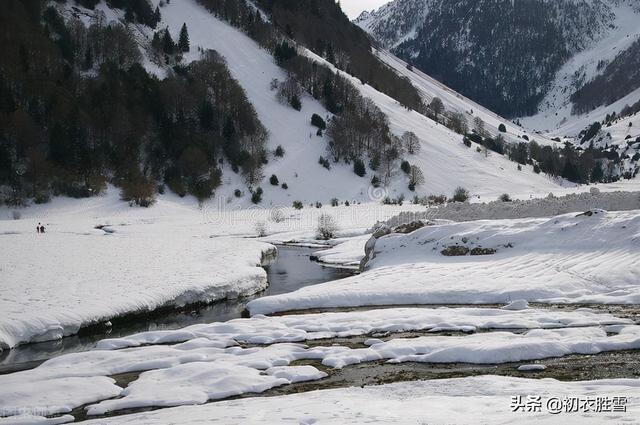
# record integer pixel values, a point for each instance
(38, 228)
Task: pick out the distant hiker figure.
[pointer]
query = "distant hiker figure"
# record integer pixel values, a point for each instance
(38, 228)
(41, 229)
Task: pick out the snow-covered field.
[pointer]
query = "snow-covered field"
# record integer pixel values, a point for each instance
(565, 259)
(172, 254)
(209, 361)
(176, 252)
(76, 275)
(486, 400)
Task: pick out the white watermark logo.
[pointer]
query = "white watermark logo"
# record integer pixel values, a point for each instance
(558, 405)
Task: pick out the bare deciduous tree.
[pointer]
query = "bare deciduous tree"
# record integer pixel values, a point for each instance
(411, 142)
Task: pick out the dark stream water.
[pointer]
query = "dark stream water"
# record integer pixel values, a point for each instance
(291, 270)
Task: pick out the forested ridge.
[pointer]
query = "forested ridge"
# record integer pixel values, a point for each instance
(77, 110)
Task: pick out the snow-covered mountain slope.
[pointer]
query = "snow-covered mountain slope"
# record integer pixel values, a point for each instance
(453, 101)
(555, 113)
(445, 161)
(255, 68)
(395, 22)
(509, 56)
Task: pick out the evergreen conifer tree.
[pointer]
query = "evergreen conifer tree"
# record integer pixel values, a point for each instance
(168, 46)
(156, 16)
(183, 41)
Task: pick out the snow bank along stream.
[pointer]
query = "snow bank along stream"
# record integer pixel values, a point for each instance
(218, 360)
(291, 270)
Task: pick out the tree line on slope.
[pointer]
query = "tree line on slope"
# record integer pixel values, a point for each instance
(575, 164)
(77, 110)
(321, 26)
(359, 130)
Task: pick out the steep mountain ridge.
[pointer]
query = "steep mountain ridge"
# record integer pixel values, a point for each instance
(395, 22)
(503, 54)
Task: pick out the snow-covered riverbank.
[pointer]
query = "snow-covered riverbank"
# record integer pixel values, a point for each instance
(215, 361)
(574, 258)
(56, 283)
(486, 400)
(109, 260)
(100, 259)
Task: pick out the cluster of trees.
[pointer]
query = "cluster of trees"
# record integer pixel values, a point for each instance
(163, 45)
(139, 11)
(322, 27)
(630, 110)
(574, 164)
(64, 131)
(288, 92)
(454, 121)
(88, 48)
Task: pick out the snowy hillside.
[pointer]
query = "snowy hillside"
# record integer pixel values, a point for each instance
(431, 88)
(255, 68)
(555, 111)
(536, 53)
(444, 160)
(395, 22)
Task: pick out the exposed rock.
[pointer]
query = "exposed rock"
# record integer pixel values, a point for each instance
(483, 251)
(591, 213)
(409, 227)
(455, 251)
(269, 255)
(381, 230)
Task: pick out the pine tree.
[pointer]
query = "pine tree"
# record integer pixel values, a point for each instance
(156, 16)
(156, 42)
(183, 41)
(168, 46)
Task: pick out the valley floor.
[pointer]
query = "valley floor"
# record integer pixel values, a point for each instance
(104, 259)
